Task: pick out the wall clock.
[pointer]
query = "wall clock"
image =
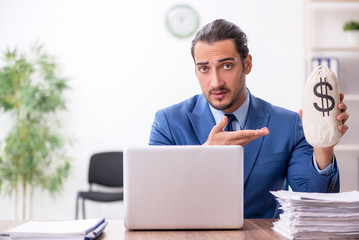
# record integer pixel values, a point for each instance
(182, 20)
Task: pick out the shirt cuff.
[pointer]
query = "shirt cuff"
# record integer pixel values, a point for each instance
(327, 171)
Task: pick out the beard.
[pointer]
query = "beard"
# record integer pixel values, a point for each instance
(234, 97)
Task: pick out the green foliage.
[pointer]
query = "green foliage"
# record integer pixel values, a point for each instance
(34, 152)
(351, 25)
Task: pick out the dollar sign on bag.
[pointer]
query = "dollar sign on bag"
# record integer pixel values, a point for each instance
(325, 98)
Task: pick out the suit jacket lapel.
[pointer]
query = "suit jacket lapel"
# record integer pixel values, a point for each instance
(201, 119)
(256, 119)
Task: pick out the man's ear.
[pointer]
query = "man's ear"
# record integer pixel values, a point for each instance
(248, 64)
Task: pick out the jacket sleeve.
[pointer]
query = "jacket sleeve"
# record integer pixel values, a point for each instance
(302, 175)
(160, 131)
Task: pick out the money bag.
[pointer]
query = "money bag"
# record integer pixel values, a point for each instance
(320, 108)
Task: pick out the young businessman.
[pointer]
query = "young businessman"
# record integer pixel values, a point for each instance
(275, 149)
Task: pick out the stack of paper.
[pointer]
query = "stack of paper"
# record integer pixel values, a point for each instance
(70, 230)
(318, 215)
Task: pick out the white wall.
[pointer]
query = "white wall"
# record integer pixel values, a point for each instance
(123, 65)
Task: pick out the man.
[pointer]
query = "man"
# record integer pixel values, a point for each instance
(275, 149)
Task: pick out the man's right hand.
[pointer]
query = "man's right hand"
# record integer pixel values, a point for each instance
(220, 137)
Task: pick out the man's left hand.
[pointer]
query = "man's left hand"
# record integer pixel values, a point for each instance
(324, 156)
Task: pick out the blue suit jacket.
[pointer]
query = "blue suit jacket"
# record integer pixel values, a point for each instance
(269, 161)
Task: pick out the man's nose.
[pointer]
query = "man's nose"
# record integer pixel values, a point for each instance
(216, 80)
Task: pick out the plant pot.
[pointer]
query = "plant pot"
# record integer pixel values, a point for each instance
(353, 37)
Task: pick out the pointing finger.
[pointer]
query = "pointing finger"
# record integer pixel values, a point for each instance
(219, 127)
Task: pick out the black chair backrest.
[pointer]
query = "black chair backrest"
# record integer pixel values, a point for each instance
(106, 169)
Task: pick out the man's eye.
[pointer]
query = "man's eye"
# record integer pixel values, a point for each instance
(227, 66)
(203, 69)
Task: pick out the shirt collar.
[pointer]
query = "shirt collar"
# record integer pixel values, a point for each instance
(240, 113)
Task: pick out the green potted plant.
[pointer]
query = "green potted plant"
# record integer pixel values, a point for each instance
(351, 28)
(33, 155)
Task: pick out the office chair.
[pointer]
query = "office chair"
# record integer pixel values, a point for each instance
(105, 169)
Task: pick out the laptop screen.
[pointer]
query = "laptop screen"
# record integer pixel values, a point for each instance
(183, 187)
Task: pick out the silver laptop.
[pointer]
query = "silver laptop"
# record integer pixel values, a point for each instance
(183, 187)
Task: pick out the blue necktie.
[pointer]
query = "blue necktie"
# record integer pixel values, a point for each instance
(231, 118)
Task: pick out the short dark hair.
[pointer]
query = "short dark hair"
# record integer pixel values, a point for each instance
(219, 30)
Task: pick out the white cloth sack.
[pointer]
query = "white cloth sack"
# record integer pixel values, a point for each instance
(320, 108)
